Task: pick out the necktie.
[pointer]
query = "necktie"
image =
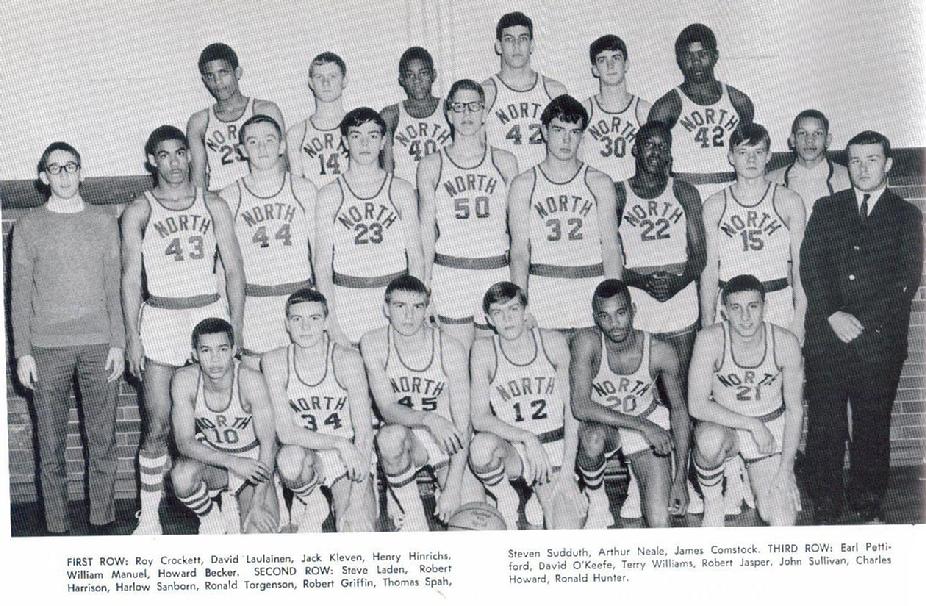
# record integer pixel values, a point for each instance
(863, 210)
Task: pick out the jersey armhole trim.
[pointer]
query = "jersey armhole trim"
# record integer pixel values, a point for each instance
(292, 190)
(440, 344)
(543, 83)
(440, 168)
(334, 366)
(144, 228)
(723, 349)
(495, 346)
(775, 206)
(391, 178)
(240, 197)
(585, 179)
(341, 203)
(495, 98)
(495, 162)
(774, 346)
(543, 347)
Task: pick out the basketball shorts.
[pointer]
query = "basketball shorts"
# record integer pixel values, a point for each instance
(633, 443)
(678, 313)
(457, 293)
(779, 307)
(330, 466)
(775, 423)
(553, 445)
(436, 456)
(559, 303)
(165, 332)
(235, 482)
(360, 310)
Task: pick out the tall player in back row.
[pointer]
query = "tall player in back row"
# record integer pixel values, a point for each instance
(614, 114)
(516, 95)
(463, 203)
(314, 146)
(417, 126)
(702, 112)
(563, 223)
(214, 132)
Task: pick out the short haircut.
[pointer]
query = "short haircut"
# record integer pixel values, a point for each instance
(696, 32)
(871, 137)
(165, 132)
(567, 109)
(610, 288)
(415, 52)
(512, 20)
(216, 51)
(608, 42)
(259, 119)
(57, 146)
(502, 292)
(750, 134)
(212, 326)
(464, 84)
(742, 283)
(362, 115)
(328, 57)
(306, 295)
(652, 128)
(407, 283)
(814, 114)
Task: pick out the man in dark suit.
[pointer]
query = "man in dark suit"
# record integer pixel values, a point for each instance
(861, 262)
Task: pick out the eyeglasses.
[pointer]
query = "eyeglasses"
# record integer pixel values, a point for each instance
(422, 75)
(473, 107)
(70, 168)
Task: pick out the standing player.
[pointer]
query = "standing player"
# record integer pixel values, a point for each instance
(214, 132)
(223, 426)
(746, 382)
(521, 409)
(417, 126)
(314, 146)
(419, 380)
(273, 212)
(702, 112)
(517, 95)
(613, 373)
(463, 204)
(614, 115)
(321, 404)
(367, 232)
(171, 232)
(563, 223)
(811, 174)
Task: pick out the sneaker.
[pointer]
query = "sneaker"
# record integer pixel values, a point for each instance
(599, 510)
(533, 512)
(147, 525)
(315, 513)
(213, 522)
(695, 502)
(632, 508)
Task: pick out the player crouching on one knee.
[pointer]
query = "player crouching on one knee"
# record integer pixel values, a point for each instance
(418, 378)
(520, 403)
(224, 431)
(321, 406)
(745, 389)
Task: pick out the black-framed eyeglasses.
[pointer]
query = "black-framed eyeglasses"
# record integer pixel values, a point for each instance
(70, 168)
(473, 107)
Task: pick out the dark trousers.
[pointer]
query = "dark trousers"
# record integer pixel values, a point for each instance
(871, 387)
(55, 368)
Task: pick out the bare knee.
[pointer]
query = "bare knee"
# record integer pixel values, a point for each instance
(291, 461)
(591, 440)
(393, 444)
(186, 476)
(712, 443)
(485, 452)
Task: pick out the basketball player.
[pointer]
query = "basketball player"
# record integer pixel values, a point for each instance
(417, 126)
(462, 193)
(563, 223)
(613, 372)
(322, 409)
(223, 426)
(521, 411)
(517, 95)
(171, 233)
(214, 132)
(367, 232)
(746, 382)
(614, 114)
(702, 112)
(314, 146)
(418, 376)
(811, 173)
(274, 213)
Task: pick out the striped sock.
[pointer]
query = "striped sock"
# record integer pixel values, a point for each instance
(593, 478)
(711, 481)
(199, 502)
(151, 476)
(506, 499)
(302, 492)
(405, 493)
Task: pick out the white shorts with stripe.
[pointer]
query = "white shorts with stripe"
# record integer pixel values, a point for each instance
(265, 317)
(678, 313)
(457, 292)
(775, 423)
(553, 445)
(360, 301)
(632, 441)
(166, 325)
(563, 302)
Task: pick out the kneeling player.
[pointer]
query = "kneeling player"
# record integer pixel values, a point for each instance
(322, 409)
(520, 404)
(745, 388)
(418, 377)
(614, 371)
(224, 432)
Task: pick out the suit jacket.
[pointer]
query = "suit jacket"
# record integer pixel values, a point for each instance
(871, 271)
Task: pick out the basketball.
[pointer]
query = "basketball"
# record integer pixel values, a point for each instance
(476, 516)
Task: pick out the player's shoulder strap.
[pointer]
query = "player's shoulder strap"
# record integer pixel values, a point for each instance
(331, 359)
(772, 341)
(543, 346)
(774, 187)
(494, 160)
(341, 192)
(725, 346)
(544, 82)
(495, 347)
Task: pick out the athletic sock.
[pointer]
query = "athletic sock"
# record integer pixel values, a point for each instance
(599, 508)
(151, 476)
(506, 499)
(711, 481)
(199, 502)
(404, 490)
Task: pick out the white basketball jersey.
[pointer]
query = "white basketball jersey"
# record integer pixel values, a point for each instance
(526, 395)
(414, 138)
(223, 153)
(825, 179)
(318, 404)
(754, 391)
(224, 426)
(324, 155)
(369, 240)
(564, 221)
(471, 206)
(753, 239)
(273, 233)
(701, 134)
(630, 394)
(425, 389)
(178, 249)
(513, 121)
(609, 138)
